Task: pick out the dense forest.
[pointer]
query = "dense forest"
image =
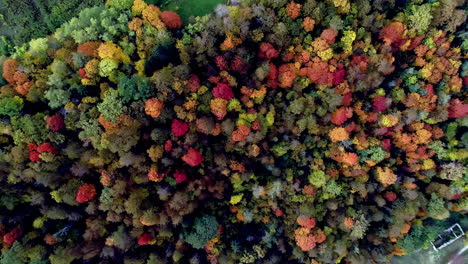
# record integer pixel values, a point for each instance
(266, 131)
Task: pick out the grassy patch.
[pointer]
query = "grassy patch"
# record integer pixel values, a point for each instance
(188, 8)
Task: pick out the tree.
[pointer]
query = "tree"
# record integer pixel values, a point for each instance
(419, 17)
(160, 57)
(386, 176)
(29, 128)
(120, 4)
(203, 230)
(171, 19)
(11, 106)
(193, 157)
(134, 88)
(9, 69)
(86, 192)
(153, 107)
(57, 97)
(111, 107)
(436, 208)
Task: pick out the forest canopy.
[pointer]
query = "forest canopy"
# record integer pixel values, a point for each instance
(269, 131)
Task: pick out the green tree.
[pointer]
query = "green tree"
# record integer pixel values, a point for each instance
(317, 178)
(134, 88)
(14, 255)
(96, 23)
(11, 106)
(120, 4)
(420, 236)
(436, 208)
(203, 230)
(57, 97)
(419, 18)
(27, 129)
(111, 107)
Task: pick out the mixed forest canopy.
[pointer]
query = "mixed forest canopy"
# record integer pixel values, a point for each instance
(267, 131)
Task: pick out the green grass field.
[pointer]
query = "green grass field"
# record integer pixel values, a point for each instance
(187, 8)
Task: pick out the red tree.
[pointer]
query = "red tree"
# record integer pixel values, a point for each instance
(457, 109)
(223, 90)
(171, 19)
(180, 176)
(179, 128)
(193, 157)
(55, 122)
(144, 239)
(380, 103)
(10, 237)
(86, 192)
(341, 115)
(267, 51)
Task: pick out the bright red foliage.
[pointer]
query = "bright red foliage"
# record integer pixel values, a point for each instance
(223, 90)
(272, 76)
(429, 89)
(82, 73)
(46, 147)
(34, 156)
(193, 157)
(180, 176)
(10, 237)
(144, 239)
(86, 192)
(35, 150)
(341, 115)
(339, 76)
(456, 196)
(168, 145)
(179, 128)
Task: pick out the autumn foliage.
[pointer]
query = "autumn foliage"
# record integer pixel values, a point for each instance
(266, 131)
(86, 192)
(171, 19)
